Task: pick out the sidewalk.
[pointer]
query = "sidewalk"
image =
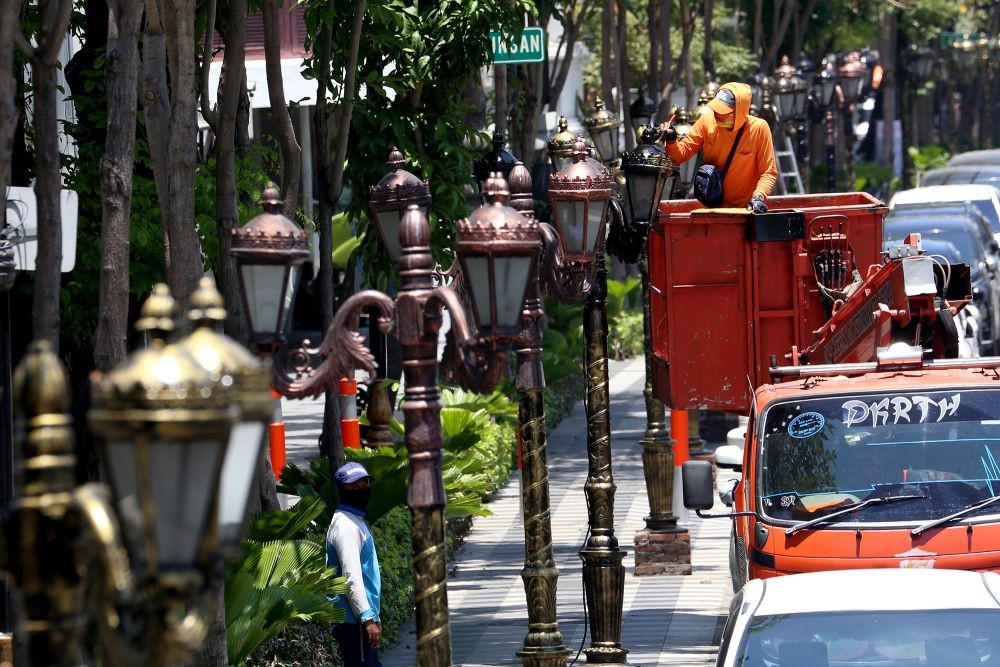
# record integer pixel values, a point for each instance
(667, 620)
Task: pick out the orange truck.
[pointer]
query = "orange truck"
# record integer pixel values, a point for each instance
(868, 443)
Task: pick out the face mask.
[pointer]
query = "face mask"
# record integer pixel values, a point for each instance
(727, 122)
(356, 498)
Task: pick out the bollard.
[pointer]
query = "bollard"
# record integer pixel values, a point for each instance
(350, 426)
(679, 433)
(276, 437)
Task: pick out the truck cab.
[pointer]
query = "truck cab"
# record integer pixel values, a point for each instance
(888, 468)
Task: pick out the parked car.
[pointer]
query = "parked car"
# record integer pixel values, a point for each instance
(972, 238)
(985, 198)
(987, 174)
(864, 618)
(986, 156)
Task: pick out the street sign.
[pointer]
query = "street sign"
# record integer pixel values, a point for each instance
(526, 47)
(22, 216)
(946, 39)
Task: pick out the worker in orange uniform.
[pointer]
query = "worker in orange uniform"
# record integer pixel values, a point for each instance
(753, 172)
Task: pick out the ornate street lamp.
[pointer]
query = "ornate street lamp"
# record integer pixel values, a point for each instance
(580, 195)
(603, 128)
(686, 170)
(496, 160)
(138, 563)
(824, 88)
(648, 173)
(269, 251)
(222, 357)
(642, 110)
(707, 93)
(561, 146)
(389, 199)
(851, 77)
(543, 643)
(502, 247)
(576, 268)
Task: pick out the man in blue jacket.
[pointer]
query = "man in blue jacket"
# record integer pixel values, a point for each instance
(351, 549)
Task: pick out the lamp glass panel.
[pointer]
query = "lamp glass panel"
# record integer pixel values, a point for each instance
(184, 477)
(641, 192)
(639, 121)
(786, 102)
(595, 220)
(825, 89)
(119, 459)
(511, 273)
(603, 143)
(569, 215)
(263, 284)
(560, 163)
(755, 94)
(477, 268)
(801, 97)
(388, 224)
(239, 471)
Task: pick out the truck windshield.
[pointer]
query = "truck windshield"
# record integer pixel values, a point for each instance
(820, 454)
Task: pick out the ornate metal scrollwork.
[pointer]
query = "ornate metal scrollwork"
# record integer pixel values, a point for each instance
(566, 281)
(342, 349)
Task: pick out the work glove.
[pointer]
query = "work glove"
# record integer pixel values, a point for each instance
(667, 133)
(757, 205)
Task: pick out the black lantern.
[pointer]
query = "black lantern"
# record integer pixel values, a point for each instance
(580, 195)
(785, 98)
(682, 125)
(603, 128)
(851, 77)
(824, 86)
(648, 171)
(642, 110)
(389, 199)
(269, 251)
(496, 160)
(498, 248)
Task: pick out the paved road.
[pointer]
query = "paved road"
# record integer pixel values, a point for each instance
(668, 620)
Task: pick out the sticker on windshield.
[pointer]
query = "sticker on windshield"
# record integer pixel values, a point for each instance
(897, 409)
(806, 425)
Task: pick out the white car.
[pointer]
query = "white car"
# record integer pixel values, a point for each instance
(863, 618)
(985, 198)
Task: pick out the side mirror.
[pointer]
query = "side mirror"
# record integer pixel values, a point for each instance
(696, 482)
(729, 457)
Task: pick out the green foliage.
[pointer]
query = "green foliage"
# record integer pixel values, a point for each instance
(392, 534)
(283, 578)
(625, 335)
(875, 179)
(624, 295)
(926, 158)
(414, 60)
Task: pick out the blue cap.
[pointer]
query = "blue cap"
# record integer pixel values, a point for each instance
(350, 472)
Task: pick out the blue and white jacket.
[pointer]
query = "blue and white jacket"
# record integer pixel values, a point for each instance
(351, 549)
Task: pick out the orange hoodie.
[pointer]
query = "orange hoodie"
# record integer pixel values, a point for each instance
(753, 170)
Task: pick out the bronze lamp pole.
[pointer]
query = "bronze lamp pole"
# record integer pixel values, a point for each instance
(580, 196)
(498, 250)
(649, 173)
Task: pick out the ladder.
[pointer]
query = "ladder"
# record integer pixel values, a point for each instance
(788, 167)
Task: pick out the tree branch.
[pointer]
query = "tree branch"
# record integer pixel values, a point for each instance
(207, 112)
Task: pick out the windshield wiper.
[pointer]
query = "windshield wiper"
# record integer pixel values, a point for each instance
(968, 509)
(846, 509)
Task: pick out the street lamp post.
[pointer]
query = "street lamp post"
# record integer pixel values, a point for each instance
(580, 198)
(137, 560)
(824, 87)
(498, 252)
(603, 128)
(850, 78)
(648, 173)
(543, 643)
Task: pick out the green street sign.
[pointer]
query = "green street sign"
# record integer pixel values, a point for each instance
(527, 47)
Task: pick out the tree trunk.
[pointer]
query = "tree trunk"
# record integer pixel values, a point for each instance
(607, 49)
(621, 75)
(122, 74)
(9, 110)
(232, 88)
(500, 97)
(653, 59)
(666, 87)
(54, 17)
(801, 25)
(758, 30)
(571, 33)
(185, 267)
(778, 35)
(291, 153)
(888, 88)
(707, 59)
(156, 111)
